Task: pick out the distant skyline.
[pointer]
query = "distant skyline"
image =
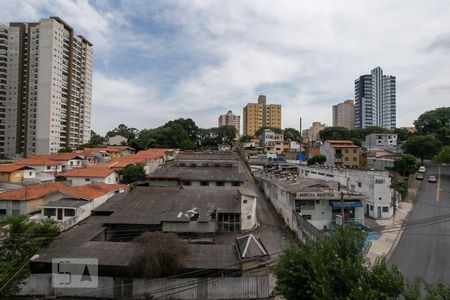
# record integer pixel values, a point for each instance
(159, 60)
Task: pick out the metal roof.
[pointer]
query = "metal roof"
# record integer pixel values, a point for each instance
(200, 173)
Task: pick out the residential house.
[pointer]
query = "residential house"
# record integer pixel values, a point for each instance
(42, 164)
(117, 140)
(83, 199)
(379, 160)
(272, 142)
(70, 160)
(376, 185)
(341, 153)
(16, 173)
(82, 176)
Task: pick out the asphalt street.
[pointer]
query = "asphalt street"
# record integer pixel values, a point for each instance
(424, 247)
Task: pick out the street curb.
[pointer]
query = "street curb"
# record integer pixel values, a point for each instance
(402, 228)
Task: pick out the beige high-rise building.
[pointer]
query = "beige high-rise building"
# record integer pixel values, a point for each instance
(231, 119)
(344, 114)
(313, 132)
(261, 114)
(45, 95)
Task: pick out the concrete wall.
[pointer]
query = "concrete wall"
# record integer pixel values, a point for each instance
(248, 212)
(375, 184)
(112, 178)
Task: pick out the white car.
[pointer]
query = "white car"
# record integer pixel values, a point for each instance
(422, 169)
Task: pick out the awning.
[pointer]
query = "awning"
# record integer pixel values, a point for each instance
(346, 204)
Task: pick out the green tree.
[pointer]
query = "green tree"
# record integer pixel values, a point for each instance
(334, 268)
(133, 173)
(22, 239)
(402, 134)
(443, 156)
(422, 146)
(96, 139)
(65, 150)
(431, 121)
(318, 159)
(401, 186)
(334, 133)
(245, 138)
(188, 125)
(226, 134)
(406, 165)
(127, 132)
(291, 134)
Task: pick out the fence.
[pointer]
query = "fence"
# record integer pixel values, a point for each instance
(255, 287)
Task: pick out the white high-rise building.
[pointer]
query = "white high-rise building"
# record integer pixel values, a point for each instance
(48, 88)
(375, 100)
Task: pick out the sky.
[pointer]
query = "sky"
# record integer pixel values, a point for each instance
(159, 60)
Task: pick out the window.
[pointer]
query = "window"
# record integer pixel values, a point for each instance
(186, 183)
(355, 151)
(317, 201)
(2, 212)
(220, 183)
(87, 179)
(249, 217)
(204, 183)
(48, 212)
(359, 184)
(307, 217)
(371, 208)
(346, 158)
(48, 167)
(385, 209)
(235, 183)
(354, 159)
(69, 212)
(244, 201)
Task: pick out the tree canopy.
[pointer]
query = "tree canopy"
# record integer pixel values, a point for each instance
(433, 120)
(292, 134)
(274, 129)
(318, 159)
(334, 268)
(443, 156)
(22, 240)
(406, 165)
(127, 132)
(422, 146)
(133, 173)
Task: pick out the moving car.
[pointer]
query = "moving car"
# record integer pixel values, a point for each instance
(432, 179)
(419, 176)
(422, 169)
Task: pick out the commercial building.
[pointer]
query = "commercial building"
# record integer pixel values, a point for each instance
(316, 201)
(261, 114)
(341, 153)
(375, 100)
(45, 93)
(231, 119)
(344, 114)
(376, 185)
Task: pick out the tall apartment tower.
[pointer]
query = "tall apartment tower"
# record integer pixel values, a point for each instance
(344, 114)
(45, 95)
(261, 114)
(375, 100)
(230, 119)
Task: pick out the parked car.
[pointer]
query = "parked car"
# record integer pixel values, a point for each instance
(432, 179)
(422, 169)
(419, 176)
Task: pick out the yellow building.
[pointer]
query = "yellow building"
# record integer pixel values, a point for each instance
(258, 115)
(15, 173)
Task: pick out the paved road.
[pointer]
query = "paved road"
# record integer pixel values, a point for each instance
(424, 247)
(272, 230)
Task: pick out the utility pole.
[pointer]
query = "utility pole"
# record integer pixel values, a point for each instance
(342, 203)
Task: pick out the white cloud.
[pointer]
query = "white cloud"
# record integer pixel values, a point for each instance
(302, 54)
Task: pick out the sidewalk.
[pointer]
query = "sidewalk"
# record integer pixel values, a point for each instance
(390, 230)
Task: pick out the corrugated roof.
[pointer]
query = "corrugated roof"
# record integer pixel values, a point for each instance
(200, 173)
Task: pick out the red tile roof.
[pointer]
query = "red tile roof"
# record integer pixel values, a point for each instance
(11, 168)
(86, 192)
(88, 172)
(65, 156)
(38, 161)
(342, 144)
(152, 153)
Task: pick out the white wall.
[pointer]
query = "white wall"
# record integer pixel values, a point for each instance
(112, 178)
(248, 212)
